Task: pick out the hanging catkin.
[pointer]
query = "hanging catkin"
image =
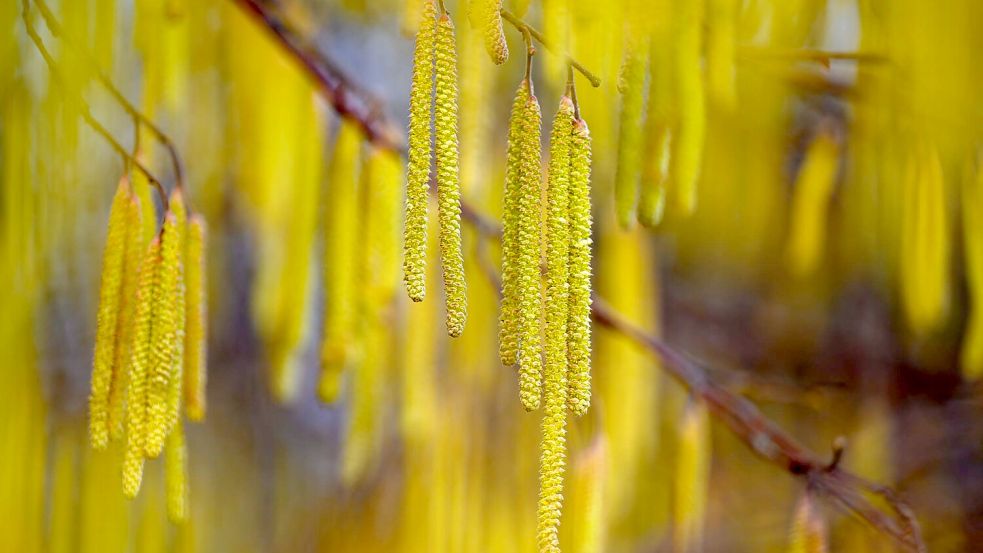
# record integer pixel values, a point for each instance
(340, 248)
(810, 202)
(687, 157)
(578, 323)
(971, 353)
(176, 474)
(418, 166)
(690, 483)
(139, 366)
(555, 373)
(508, 322)
(135, 246)
(808, 533)
(448, 178)
(106, 323)
(658, 119)
(486, 15)
(195, 374)
(528, 245)
(167, 339)
(632, 87)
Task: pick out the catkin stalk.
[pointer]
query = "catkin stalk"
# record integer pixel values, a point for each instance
(418, 166)
(106, 322)
(508, 323)
(140, 357)
(528, 244)
(579, 274)
(448, 178)
(167, 339)
(195, 374)
(630, 134)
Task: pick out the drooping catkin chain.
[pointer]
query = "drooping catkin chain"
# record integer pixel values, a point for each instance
(167, 339)
(508, 322)
(487, 16)
(579, 274)
(340, 248)
(557, 304)
(528, 243)
(448, 178)
(135, 246)
(195, 373)
(106, 323)
(418, 166)
(632, 87)
(139, 367)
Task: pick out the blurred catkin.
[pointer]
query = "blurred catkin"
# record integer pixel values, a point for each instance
(528, 243)
(632, 86)
(448, 178)
(418, 166)
(167, 338)
(971, 356)
(140, 357)
(340, 249)
(808, 532)
(658, 120)
(106, 324)
(486, 15)
(195, 375)
(690, 485)
(687, 156)
(508, 322)
(813, 191)
(579, 274)
(176, 474)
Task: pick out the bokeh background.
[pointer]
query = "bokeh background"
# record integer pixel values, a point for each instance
(848, 308)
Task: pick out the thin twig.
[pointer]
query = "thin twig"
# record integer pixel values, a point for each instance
(521, 25)
(58, 31)
(87, 113)
(765, 438)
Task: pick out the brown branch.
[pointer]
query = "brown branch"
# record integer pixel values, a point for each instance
(58, 31)
(524, 27)
(765, 438)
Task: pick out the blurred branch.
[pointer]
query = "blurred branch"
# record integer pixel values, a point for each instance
(765, 438)
(58, 31)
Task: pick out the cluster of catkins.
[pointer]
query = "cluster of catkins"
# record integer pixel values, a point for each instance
(433, 99)
(149, 360)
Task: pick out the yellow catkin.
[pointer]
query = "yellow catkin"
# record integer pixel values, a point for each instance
(658, 120)
(135, 246)
(176, 474)
(486, 15)
(578, 322)
(448, 178)
(971, 355)
(630, 134)
(508, 323)
(167, 339)
(528, 243)
(555, 371)
(418, 166)
(721, 51)
(136, 410)
(810, 202)
(808, 533)
(687, 157)
(692, 474)
(340, 249)
(195, 372)
(106, 322)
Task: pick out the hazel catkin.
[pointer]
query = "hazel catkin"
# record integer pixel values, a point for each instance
(448, 178)
(196, 297)
(418, 166)
(106, 323)
(486, 15)
(630, 135)
(579, 323)
(176, 474)
(528, 244)
(508, 322)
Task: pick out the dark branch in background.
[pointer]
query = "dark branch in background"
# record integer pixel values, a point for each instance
(58, 31)
(765, 438)
(86, 112)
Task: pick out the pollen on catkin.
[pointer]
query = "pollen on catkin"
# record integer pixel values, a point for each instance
(630, 135)
(195, 372)
(340, 249)
(448, 178)
(106, 323)
(176, 474)
(486, 14)
(508, 322)
(418, 166)
(578, 322)
(529, 246)
(557, 238)
(139, 366)
(135, 246)
(167, 338)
